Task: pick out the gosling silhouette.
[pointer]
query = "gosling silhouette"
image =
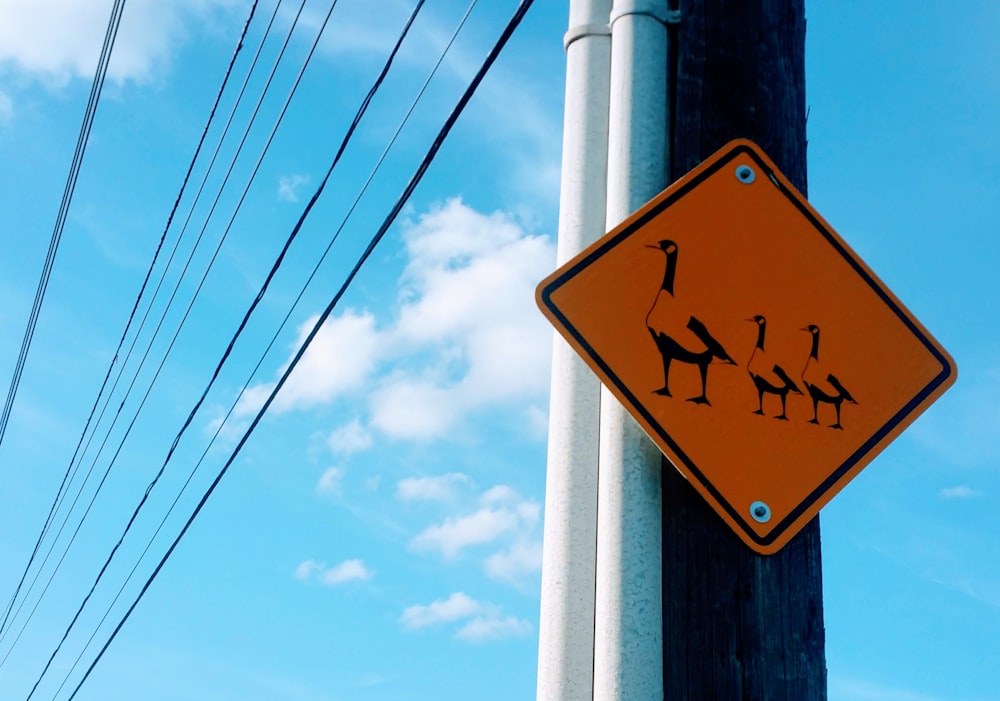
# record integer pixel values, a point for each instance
(822, 385)
(678, 334)
(768, 377)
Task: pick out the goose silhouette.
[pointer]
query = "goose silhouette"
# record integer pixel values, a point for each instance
(768, 377)
(677, 333)
(822, 385)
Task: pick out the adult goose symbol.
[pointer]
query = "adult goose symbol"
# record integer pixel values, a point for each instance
(677, 333)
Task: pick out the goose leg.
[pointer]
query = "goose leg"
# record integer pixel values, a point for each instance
(814, 419)
(760, 402)
(836, 405)
(702, 398)
(664, 391)
(782, 416)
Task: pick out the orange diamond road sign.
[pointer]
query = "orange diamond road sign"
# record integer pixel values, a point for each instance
(755, 348)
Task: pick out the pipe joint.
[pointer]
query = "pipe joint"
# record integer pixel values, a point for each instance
(582, 31)
(657, 9)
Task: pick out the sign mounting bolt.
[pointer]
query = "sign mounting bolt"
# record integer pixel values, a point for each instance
(745, 174)
(760, 511)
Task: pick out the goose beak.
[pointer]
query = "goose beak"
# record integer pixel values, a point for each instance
(656, 248)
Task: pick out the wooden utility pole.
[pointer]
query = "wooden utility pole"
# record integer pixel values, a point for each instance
(737, 625)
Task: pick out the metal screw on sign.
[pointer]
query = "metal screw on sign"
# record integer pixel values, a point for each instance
(760, 511)
(745, 174)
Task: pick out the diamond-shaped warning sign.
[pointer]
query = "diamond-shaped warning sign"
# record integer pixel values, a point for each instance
(761, 355)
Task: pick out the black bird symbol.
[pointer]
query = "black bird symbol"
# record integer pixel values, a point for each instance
(822, 385)
(768, 377)
(679, 335)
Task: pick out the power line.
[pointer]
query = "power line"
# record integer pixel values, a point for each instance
(156, 332)
(378, 236)
(70, 188)
(70, 473)
(274, 339)
(345, 141)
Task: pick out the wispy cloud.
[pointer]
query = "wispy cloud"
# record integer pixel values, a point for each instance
(347, 571)
(503, 514)
(516, 562)
(480, 629)
(307, 569)
(435, 488)
(330, 481)
(959, 492)
(455, 607)
(57, 40)
(455, 534)
(485, 621)
(289, 186)
(350, 438)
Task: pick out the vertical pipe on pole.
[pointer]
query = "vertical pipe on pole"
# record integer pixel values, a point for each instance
(628, 662)
(566, 621)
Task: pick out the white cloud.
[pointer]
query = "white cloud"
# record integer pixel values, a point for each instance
(339, 359)
(467, 337)
(350, 438)
(289, 186)
(503, 512)
(498, 494)
(437, 488)
(57, 40)
(455, 607)
(413, 410)
(480, 629)
(516, 562)
(487, 620)
(469, 293)
(307, 569)
(959, 492)
(330, 481)
(455, 534)
(347, 571)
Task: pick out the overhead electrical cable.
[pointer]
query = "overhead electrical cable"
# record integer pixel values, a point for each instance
(344, 143)
(68, 476)
(274, 337)
(173, 252)
(321, 319)
(74, 172)
(197, 198)
(156, 332)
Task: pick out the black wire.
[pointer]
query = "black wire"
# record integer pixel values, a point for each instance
(166, 309)
(147, 351)
(70, 188)
(173, 252)
(270, 345)
(379, 235)
(68, 476)
(260, 295)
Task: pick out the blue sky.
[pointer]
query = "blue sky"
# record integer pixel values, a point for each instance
(379, 536)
